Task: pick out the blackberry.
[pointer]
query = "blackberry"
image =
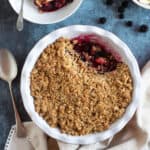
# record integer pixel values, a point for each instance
(120, 15)
(86, 47)
(129, 23)
(120, 9)
(102, 20)
(125, 4)
(100, 54)
(143, 28)
(109, 2)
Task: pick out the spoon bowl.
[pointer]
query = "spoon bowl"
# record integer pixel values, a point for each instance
(8, 66)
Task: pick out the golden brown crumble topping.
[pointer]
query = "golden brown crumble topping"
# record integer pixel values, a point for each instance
(74, 97)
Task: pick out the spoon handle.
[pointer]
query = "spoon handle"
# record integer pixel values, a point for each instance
(20, 129)
(19, 24)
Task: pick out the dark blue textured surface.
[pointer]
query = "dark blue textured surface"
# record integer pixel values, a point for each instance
(21, 43)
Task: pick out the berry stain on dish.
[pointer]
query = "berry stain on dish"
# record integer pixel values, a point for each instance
(51, 5)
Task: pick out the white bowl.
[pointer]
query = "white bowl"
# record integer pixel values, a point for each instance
(146, 6)
(70, 32)
(32, 14)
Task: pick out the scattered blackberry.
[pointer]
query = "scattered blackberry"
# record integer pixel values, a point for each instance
(129, 23)
(143, 28)
(125, 4)
(102, 20)
(120, 15)
(109, 2)
(120, 9)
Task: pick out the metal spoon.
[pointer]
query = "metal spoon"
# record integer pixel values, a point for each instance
(19, 24)
(8, 72)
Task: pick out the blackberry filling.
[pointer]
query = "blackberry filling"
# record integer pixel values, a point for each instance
(51, 5)
(95, 54)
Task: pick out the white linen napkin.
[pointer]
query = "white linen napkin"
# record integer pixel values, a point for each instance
(135, 136)
(34, 134)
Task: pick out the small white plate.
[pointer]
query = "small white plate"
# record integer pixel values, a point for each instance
(71, 32)
(32, 14)
(146, 6)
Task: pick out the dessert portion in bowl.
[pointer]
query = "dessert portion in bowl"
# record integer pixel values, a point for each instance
(51, 5)
(33, 10)
(81, 85)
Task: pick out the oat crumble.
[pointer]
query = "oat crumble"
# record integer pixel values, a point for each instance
(74, 97)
